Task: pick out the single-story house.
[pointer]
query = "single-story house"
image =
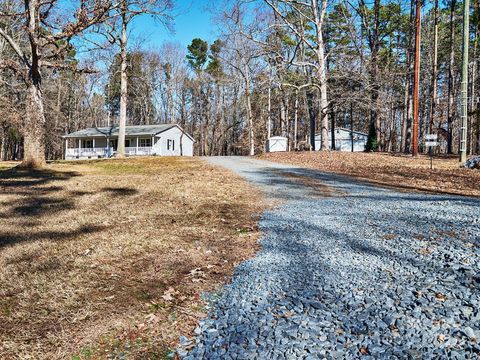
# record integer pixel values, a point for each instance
(277, 144)
(142, 140)
(344, 139)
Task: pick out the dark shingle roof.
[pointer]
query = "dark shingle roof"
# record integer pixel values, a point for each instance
(113, 131)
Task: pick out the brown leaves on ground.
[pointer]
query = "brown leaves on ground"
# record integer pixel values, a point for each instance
(399, 171)
(98, 258)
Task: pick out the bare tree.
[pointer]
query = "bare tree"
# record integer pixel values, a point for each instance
(47, 43)
(312, 12)
(126, 11)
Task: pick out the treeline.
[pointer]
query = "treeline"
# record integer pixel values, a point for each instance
(285, 68)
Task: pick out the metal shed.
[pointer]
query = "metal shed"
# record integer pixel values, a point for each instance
(277, 144)
(344, 141)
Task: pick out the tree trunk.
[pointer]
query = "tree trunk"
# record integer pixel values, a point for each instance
(405, 111)
(269, 117)
(34, 125)
(249, 111)
(332, 130)
(473, 81)
(374, 45)
(295, 126)
(283, 114)
(450, 109)
(123, 88)
(34, 129)
(206, 110)
(313, 118)
(321, 71)
(475, 146)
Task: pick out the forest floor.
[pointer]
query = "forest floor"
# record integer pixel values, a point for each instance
(399, 171)
(109, 259)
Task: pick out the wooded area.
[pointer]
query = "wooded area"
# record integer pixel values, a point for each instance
(279, 67)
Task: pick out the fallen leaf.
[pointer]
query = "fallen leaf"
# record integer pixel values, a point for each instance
(364, 351)
(152, 318)
(169, 295)
(417, 294)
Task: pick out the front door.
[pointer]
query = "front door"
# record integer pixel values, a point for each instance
(114, 144)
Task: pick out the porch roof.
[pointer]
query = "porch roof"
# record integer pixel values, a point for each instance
(103, 132)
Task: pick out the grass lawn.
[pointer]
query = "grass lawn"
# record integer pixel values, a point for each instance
(100, 259)
(399, 171)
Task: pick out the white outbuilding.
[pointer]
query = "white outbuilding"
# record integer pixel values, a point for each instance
(142, 140)
(344, 140)
(277, 144)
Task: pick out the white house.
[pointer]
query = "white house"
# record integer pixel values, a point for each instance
(344, 140)
(142, 140)
(277, 144)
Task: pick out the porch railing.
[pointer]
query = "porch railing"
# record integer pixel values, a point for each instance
(87, 152)
(107, 152)
(140, 151)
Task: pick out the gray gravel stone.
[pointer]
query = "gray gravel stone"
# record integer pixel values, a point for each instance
(331, 282)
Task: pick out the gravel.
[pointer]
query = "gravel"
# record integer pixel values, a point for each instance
(368, 272)
(473, 163)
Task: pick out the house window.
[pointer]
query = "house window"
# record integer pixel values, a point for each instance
(171, 145)
(145, 142)
(127, 142)
(87, 144)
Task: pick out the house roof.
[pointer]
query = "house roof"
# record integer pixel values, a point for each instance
(112, 131)
(344, 129)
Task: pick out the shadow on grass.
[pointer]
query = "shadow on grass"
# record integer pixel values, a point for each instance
(9, 238)
(18, 178)
(38, 197)
(119, 192)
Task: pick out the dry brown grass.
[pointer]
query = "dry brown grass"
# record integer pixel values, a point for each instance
(99, 258)
(399, 171)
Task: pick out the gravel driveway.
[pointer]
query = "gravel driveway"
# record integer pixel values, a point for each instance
(348, 270)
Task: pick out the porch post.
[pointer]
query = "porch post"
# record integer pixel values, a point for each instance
(93, 143)
(136, 150)
(79, 144)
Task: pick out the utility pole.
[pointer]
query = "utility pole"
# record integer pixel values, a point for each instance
(464, 99)
(434, 69)
(416, 80)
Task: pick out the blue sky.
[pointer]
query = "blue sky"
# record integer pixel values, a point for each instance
(192, 20)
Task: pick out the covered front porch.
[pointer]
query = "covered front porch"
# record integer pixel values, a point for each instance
(96, 147)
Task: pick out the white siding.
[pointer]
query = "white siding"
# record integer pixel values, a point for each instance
(343, 141)
(277, 144)
(173, 142)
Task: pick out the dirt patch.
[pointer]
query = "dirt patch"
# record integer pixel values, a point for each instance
(104, 258)
(319, 188)
(398, 171)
